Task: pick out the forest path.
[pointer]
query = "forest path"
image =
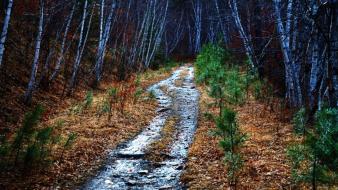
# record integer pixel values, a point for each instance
(129, 167)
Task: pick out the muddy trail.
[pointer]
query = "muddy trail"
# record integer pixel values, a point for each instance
(128, 166)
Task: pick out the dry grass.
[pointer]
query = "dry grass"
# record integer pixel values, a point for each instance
(205, 168)
(266, 165)
(95, 138)
(265, 162)
(181, 78)
(159, 150)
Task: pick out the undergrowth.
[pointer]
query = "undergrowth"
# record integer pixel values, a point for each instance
(315, 159)
(227, 85)
(34, 146)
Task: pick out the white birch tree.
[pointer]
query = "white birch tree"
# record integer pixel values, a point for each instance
(5, 29)
(60, 58)
(244, 36)
(31, 83)
(292, 75)
(104, 37)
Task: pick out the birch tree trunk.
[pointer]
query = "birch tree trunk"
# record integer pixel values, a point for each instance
(220, 20)
(79, 47)
(31, 84)
(293, 89)
(159, 33)
(247, 43)
(104, 37)
(197, 8)
(60, 58)
(5, 29)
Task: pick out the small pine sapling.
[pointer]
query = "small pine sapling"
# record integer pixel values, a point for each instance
(138, 91)
(68, 144)
(137, 94)
(31, 156)
(315, 161)
(88, 101)
(231, 141)
(27, 131)
(112, 99)
(235, 84)
(43, 138)
(299, 121)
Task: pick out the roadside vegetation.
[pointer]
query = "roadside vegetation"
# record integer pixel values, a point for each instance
(251, 126)
(225, 83)
(64, 148)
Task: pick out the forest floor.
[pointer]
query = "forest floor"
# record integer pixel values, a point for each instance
(95, 135)
(265, 163)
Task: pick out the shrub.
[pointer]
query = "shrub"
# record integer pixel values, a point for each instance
(315, 161)
(109, 103)
(299, 121)
(27, 131)
(257, 89)
(32, 145)
(88, 101)
(169, 65)
(68, 144)
(137, 94)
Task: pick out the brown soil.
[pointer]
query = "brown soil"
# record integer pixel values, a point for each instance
(95, 136)
(264, 152)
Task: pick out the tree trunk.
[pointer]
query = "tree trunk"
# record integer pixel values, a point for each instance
(31, 84)
(79, 47)
(5, 29)
(104, 37)
(293, 89)
(60, 59)
(197, 8)
(247, 43)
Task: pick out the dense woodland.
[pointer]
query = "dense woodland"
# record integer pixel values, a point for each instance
(54, 38)
(57, 48)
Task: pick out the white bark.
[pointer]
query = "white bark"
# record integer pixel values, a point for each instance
(60, 59)
(104, 37)
(171, 40)
(101, 19)
(220, 20)
(293, 90)
(31, 84)
(247, 43)
(152, 30)
(159, 34)
(79, 47)
(288, 21)
(197, 8)
(5, 29)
